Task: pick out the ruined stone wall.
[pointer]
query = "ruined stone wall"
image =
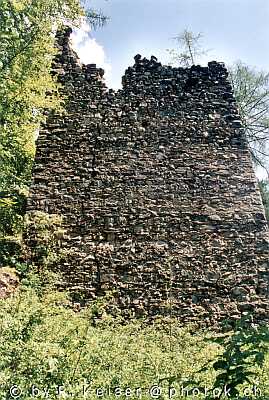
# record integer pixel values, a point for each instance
(157, 190)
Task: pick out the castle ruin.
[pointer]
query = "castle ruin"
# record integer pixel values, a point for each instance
(157, 191)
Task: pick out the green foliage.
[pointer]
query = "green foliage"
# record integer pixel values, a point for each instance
(10, 251)
(27, 34)
(44, 233)
(251, 90)
(243, 350)
(264, 189)
(45, 344)
(12, 208)
(26, 52)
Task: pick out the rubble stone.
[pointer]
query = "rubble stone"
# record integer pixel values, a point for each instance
(157, 190)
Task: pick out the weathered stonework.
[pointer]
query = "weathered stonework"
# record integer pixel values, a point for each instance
(157, 190)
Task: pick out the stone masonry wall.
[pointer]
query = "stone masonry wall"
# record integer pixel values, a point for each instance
(157, 190)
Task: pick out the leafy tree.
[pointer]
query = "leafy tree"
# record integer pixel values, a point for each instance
(245, 348)
(264, 188)
(251, 90)
(27, 34)
(189, 49)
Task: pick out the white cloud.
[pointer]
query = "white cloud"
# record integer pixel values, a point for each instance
(89, 50)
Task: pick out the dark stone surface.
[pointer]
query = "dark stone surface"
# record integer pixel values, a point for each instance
(157, 190)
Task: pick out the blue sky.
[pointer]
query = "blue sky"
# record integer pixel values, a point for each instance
(232, 29)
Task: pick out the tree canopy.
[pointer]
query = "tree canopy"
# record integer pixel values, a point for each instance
(251, 90)
(27, 34)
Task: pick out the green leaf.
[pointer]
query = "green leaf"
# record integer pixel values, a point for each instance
(220, 364)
